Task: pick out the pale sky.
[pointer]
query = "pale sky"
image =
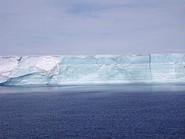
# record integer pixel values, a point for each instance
(56, 27)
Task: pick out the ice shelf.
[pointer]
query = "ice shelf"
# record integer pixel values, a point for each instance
(98, 69)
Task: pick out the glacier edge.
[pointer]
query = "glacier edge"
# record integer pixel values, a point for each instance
(98, 69)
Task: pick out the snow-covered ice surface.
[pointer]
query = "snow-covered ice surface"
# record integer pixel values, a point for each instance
(98, 69)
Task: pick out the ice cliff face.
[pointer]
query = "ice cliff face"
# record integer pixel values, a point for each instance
(62, 70)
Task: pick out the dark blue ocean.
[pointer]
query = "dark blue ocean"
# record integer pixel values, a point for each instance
(135, 111)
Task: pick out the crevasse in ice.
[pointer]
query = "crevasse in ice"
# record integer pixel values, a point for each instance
(98, 69)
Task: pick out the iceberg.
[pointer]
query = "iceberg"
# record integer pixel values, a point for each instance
(97, 69)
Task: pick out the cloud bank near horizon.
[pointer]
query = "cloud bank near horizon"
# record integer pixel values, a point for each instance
(91, 26)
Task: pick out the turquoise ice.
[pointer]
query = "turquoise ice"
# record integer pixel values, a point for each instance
(97, 69)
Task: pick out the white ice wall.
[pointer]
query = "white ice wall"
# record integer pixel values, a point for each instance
(61, 70)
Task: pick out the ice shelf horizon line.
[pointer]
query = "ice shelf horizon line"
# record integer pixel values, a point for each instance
(92, 69)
